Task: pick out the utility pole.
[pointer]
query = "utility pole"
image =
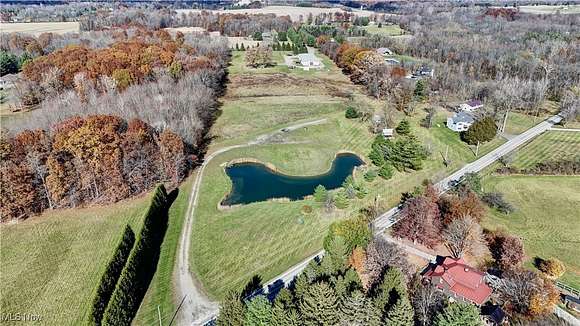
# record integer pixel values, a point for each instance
(159, 315)
(505, 120)
(477, 149)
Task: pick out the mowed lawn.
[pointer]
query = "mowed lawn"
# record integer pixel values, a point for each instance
(547, 217)
(51, 264)
(549, 146)
(230, 246)
(386, 29)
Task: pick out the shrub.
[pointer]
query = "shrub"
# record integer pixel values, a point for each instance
(351, 113)
(306, 209)
(482, 130)
(386, 171)
(111, 275)
(142, 262)
(355, 231)
(496, 200)
(553, 268)
(8, 63)
(370, 175)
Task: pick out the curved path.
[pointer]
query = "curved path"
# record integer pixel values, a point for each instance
(197, 308)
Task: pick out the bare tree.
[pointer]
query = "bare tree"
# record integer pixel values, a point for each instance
(463, 235)
(427, 302)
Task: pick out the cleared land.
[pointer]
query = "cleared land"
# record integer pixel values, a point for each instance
(39, 28)
(230, 246)
(295, 13)
(52, 263)
(546, 217)
(550, 146)
(387, 30)
(547, 9)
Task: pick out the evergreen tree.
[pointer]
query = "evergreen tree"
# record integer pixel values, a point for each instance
(319, 305)
(458, 314)
(390, 290)
(376, 156)
(420, 90)
(237, 47)
(482, 130)
(336, 255)
(232, 311)
(257, 36)
(351, 113)
(242, 48)
(259, 311)
(358, 310)
(386, 171)
(341, 201)
(401, 314)
(284, 311)
(404, 127)
(320, 193)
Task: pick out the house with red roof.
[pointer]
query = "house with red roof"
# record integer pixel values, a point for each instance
(458, 280)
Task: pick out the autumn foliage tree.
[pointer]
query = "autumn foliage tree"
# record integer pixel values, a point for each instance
(419, 221)
(506, 250)
(527, 294)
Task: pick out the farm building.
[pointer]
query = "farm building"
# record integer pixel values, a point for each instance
(460, 121)
(471, 106)
(458, 280)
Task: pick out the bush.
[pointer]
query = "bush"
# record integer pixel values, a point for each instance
(351, 113)
(355, 232)
(496, 200)
(553, 268)
(482, 131)
(111, 275)
(8, 63)
(306, 209)
(370, 175)
(386, 171)
(142, 262)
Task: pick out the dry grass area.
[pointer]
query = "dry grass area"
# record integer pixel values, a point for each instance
(39, 28)
(293, 12)
(549, 9)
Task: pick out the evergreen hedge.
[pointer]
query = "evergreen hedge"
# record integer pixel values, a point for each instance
(111, 276)
(142, 263)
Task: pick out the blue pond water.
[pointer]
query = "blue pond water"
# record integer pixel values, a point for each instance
(254, 182)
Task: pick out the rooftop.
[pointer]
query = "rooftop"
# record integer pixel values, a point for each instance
(463, 117)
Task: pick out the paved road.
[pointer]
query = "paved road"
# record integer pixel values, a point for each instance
(197, 308)
(389, 218)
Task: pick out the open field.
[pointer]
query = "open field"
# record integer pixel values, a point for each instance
(160, 291)
(295, 13)
(51, 264)
(387, 30)
(265, 238)
(546, 218)
(550, 146)
(39, 28)
(547, 9)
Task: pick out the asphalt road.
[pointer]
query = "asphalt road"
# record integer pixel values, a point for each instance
(389, 218)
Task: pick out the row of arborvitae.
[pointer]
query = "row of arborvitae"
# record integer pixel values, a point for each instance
(132, 283)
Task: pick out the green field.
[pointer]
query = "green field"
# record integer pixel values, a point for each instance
(230, 246)
(550, 146)
(387, 30)
(546, 217)
(52, 263)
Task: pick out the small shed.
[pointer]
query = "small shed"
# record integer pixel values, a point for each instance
(388, 132)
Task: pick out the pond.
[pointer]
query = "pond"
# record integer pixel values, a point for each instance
(254, 182)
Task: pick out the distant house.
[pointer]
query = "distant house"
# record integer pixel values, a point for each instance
(424, 71)
(384, 51)
(388, 133)
(458, 280)
(493, 315)
(471, 106)
(460, 121)
(309, 61)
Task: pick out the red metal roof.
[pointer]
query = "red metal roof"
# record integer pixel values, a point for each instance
(462, 279)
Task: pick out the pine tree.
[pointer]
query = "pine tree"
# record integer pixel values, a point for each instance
(259, 311)
(458, 314)
(320, 193)
(341, 200)
(242, 48)
(336, 255)
(237, 47)
(404, 128)
(358, 310)
(401, 314)
(319, 305)
(420, 90)
(232, 311)
(386, 171)
(284, 311)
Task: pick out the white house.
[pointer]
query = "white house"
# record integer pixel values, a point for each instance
(384, 51)
(460, 121)
(471, 106)
(309, 61)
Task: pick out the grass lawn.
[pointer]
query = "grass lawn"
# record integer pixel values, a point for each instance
(266, 238)
(51, 264)
(160, 292)
(550, 146)
(546, 218)
(386, 29)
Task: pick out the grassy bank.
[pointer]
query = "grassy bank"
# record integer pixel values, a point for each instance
(546, 217)
(52, 263)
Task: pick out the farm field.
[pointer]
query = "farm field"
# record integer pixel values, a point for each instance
(39, 28)
(160, 291)
(550, 146)
(266, 238)
(548, 9)
(546, 217)
(295, 13)
(51, 263)
(387, 30)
